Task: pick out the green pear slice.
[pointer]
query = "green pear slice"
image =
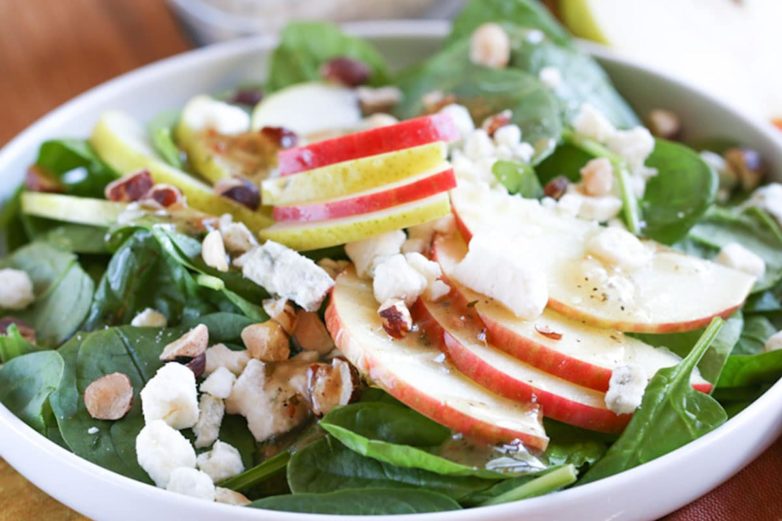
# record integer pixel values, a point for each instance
(72, 209)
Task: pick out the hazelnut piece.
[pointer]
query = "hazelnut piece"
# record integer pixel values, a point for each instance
(109, 397)
(397, 321)
(189, 345)
(129, 188)
(266, 341)
(310, 333)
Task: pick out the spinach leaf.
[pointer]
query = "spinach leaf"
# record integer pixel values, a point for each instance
(12, 231)
(753, 228)
(757, 329)
(26, 382)
(234, 431)
(76, 238)
(679, 195)
(128, 350)
(714, 359)
(485, 92)
(395, 435)
(528, 14)
(305, 46)
(518, 178)
(567, 160)
(361, 502)
(258, 474)
(327, 465)
(161, 133)
(671, 414)
(751, 370)
(528, 486)
(13, 344)
(223, 327)
(76, 165)
(63, 291)
(572, 445)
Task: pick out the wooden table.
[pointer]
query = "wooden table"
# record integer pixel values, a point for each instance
(51, 50)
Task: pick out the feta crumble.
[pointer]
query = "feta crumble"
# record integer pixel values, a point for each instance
(222, 462)
(461, 118)
(591, 123)
(633, 145)
(618, 248)
(171, 396)
(396, 279)
(149, 318)
(16, 289)
(219, 383)
(625, 389)
(219, 355)
(160, 449)
(210, 415)
(191, 482)
(736, 256)
(205, 113)
(368, 253)
(550, 77)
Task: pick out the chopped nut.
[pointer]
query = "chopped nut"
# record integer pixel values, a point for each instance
(109, 397)
(375, 100)
(38, 179)
(167, 196)
(281, 310)
(345, 71)
(241, 191)
(213, 251)
(436, 100)
(283, 137)
(557, 187)
(149, 318)
(237, 238)
(230, 497)
(25, 330)
(664, 123)
(330, 386)
(490, 46)
(397, 321)
(497, 121)
(748, 165)
(197, 365)
(597, 177)
(310, 333)
(129, 188)
(548, 332)
(189, 345)
(333, 267)
(266, 341)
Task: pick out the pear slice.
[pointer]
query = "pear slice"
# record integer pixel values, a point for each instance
(122, 143)
(72, 209)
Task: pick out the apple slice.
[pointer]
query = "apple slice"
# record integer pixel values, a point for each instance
(418, 375)
(405, 134)
(350, 177)
(387, 196)
(72, 209)
(122, 143)
(309, 108)
(569, 349)
(314, 235)
(672, 292)
(458, 334)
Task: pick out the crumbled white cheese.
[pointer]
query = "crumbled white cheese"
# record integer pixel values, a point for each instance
(213, 251)
(491, 269)
(368, 253)
(171, 396)
(149, 318)
(508, 136)
(774, 342)
(236, 236)
(618, 248)
(191, 482)
(633, 145)
(160, 449)
(570, 204)
(591, 123)
(396, 279)
(597, 177)
(288, 274)
(599, 208)
(736, 256)
(210, 415)
(431, 272)
(16, 289)
(768, 198)
(550, 77)
(222, 462)
(219, 355)
(478, 145)
(219, 383)
(460, 117)
(625, 389)
(205, 113)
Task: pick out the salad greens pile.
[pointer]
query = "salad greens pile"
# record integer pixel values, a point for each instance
(376, 455)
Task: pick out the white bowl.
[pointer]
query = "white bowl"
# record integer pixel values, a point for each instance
(646, 492)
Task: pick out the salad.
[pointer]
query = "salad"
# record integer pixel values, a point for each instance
(357, 290)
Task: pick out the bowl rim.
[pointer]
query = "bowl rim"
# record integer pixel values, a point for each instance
(398, 29)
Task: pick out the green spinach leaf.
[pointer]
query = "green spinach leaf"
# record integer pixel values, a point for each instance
(518, 178)
(361, 502)
(265, 470)
(26, 382)
(751, 370)
(76, 238)
(161, 133)
(671, 414)
(76, 165)
(12, 231)
(13, 344)
(572, 445)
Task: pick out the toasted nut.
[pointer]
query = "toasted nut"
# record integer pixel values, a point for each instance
(397, 321)
(283, 137)
(167, 196)
(129, 188)
(345, 71)
(247, 96)
(230, 497)
(197, 365)
(374, 100)
(311, 334)
(748, 165)
(109, 397)
(330, 386)
(266, 341)
(547, 332)
(213, 251)
(490, 46)
(436, 100)
(236, 236)
(240, 190)
(557, 187)
(333, 267)
(38, 179)
(499, 120)
(281, 310)
(597, 177)
(25, 330)
(664, 123)
(189, 345)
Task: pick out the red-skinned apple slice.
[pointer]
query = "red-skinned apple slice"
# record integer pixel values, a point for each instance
(379, 199)
(673, 292)
(406, 134)
(418, 374)
(458, 334)
(569, 349)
